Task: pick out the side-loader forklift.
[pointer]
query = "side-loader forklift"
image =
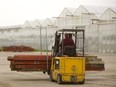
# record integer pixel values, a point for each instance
(66, 64)
(69, 66)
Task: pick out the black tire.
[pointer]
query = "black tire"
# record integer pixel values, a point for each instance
(44, 72)
(48, 72)
(51, 79)
(59, 80)
(82, 82)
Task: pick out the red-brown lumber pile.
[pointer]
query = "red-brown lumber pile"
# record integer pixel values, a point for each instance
(30, 63)
(17, 48)
(43, 63)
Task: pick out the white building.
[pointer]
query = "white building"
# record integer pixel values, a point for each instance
(99, 22)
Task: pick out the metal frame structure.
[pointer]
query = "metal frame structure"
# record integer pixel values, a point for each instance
(60, 33)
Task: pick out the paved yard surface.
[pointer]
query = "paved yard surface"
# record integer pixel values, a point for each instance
(9, 78)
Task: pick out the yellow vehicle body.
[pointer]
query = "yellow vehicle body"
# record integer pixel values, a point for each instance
(68, 69)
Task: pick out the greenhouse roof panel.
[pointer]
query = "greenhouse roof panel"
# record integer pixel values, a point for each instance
(72, 10)
(39, 21)
(97, 10)
(113, 8)
(46, 22)
(52, 20)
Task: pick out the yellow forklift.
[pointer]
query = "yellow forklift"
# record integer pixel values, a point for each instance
(68, 63)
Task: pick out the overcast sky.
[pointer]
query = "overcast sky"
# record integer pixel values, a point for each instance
(14, 12)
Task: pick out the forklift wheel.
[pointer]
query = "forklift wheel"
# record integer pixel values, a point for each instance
(82, 82)
(51, 79)
(59, 80)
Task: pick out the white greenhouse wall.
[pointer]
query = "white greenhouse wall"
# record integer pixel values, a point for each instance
(100, 38)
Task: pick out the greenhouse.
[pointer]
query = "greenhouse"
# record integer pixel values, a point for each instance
(99, 23)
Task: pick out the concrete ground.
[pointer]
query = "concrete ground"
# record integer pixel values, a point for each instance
(9, 78)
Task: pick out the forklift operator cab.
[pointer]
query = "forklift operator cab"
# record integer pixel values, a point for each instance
(69, 66)
(71, 45)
